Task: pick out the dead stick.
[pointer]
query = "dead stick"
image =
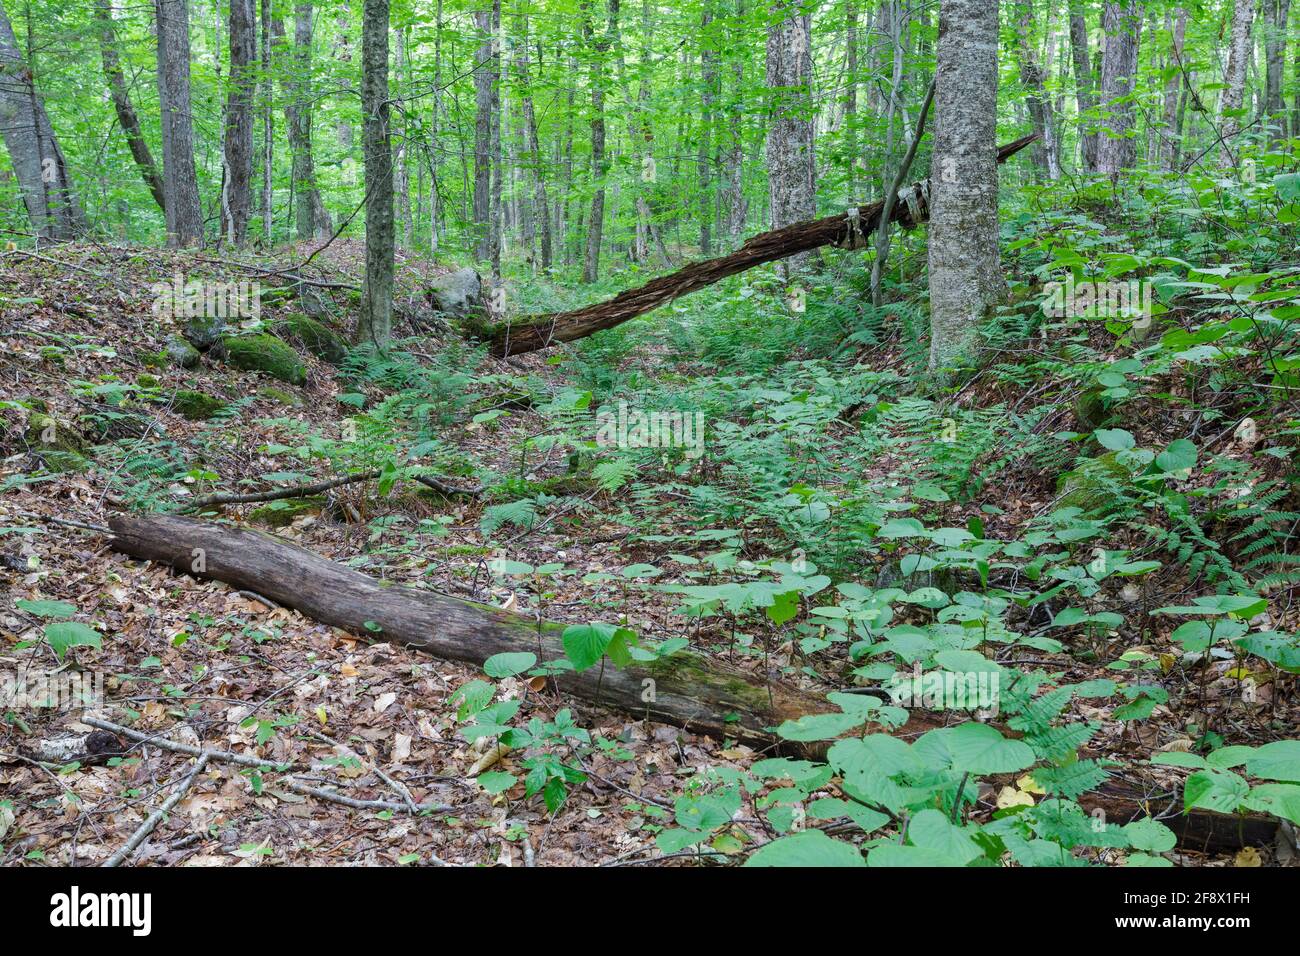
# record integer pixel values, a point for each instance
(140, 835)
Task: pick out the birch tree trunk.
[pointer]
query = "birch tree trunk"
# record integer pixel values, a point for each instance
(966, 279)
(376, 322)
(1085, 85)
(180, 178)
(237, 196)
(790, 137)
(1240, 52)
(1116, 148)
(126, 115)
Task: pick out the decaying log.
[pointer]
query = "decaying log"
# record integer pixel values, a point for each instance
(852, 229)
(684, 689)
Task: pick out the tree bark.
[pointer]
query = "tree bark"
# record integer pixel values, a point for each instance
(1173, 87)
(311, 217)
(126, 115)
(843, 230)
(268, 127)
(684, 689)
(1046, 153)
(34, 151)
(1116, 148)
(237, 190)
(792, 173)
(483, 83)
(966, 280)
(376, 323)
(533, 149)
(704, 144)
(1240, 52)
(1277, 13)
(180, 178)
(596, 219)
(1085, 84)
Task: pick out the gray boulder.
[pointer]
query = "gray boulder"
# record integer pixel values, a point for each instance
(181, 353)
(458, 295)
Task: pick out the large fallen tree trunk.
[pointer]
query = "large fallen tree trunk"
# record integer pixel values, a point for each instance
(684, 689)
(852, 229)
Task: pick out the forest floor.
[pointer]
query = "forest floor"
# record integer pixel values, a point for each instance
(228, 670)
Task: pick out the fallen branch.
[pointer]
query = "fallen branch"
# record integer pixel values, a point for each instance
(303, 491)
(156, 817)
(851, 229)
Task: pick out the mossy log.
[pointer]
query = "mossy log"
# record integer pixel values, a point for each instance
(684, 689)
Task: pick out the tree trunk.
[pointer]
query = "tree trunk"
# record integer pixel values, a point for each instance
(1240, 52)
(596, 219)
(534, 151)
(790, 148)
(268, 128)
(841, 230)
(376, 323)
(966, 280)
(704, 145)
(126, 115)
(237, 195)
(34, 151)
(1277, 13)
(343, 54)
(401, 179)
(1116, 148)
(684, 689)
(1085, 84)
(180, 179)
(1047, 155)
(1173, 86)
(494, 150)
(311, 217)
(483, 82)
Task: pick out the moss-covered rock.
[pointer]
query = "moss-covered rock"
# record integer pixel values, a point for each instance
(61, 446)
(179, 353)
(277, 514)
(196, 406)
(145, 380)
(1089, 485)
(280, 395)
(204, 331)
(316, 337)
(1090, 410)
(265, 353)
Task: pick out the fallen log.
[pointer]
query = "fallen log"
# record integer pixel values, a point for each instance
(851, 229)
(685, 689)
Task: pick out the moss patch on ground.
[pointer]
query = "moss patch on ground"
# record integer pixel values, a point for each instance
(265, 353)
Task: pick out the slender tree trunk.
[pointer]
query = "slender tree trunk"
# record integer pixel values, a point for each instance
(1046, 154)
(704, 146)
(401, 179)
(1277, 15)
(790, 156)
(376, 323)
(180, 178)
(966, 280)
(1116, 148)
(483, 134)
(1240, 53)
(596, 220)
(1173, 86)
(268, 128)
(343, 55)
(1085, 84)
(126, 115)
(237, 196)
(533, 148)
(495, 148)
(310, 214)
